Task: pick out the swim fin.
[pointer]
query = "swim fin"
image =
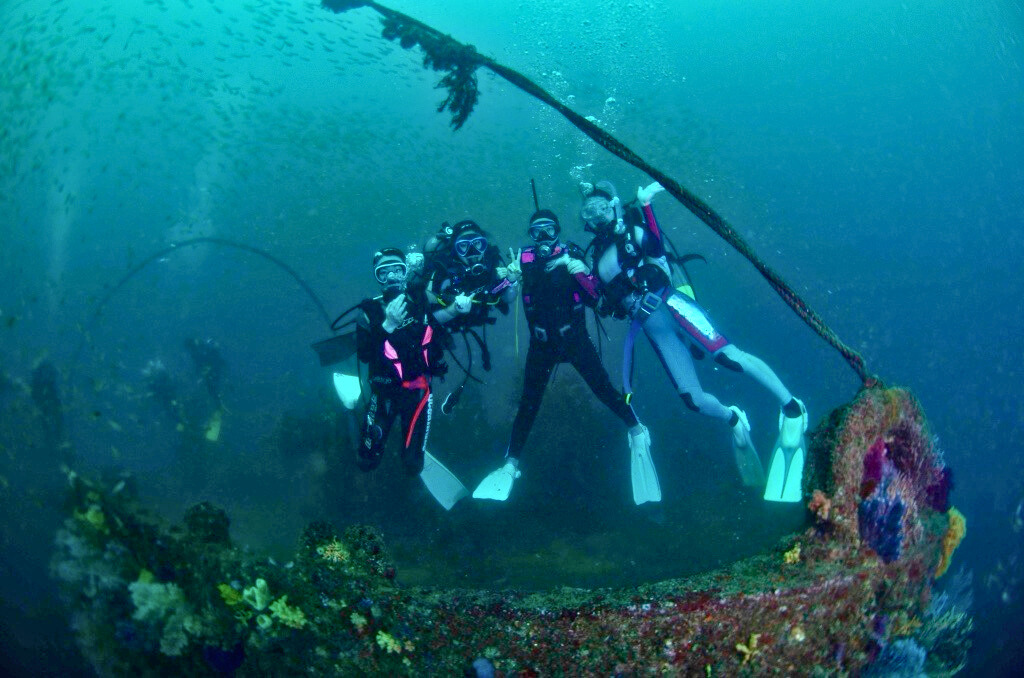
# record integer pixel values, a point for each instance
(498, 484)
(348, 389)
(213, 427)
(747, 461)
(786, 468)
(336, 349)
(645, 477)
(442, 483)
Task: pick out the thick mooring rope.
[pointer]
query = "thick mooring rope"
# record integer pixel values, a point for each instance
(444, 53)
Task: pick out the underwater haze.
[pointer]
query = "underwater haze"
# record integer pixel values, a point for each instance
(870, 152)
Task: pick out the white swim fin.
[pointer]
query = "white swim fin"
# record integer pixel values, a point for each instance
(786, 468)
(498, 484)
(747, 461)
(442, 483)
(645, 477)
(348, 389)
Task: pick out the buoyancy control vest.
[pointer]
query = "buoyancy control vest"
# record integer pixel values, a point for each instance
(450, 277)
(554, 301)
(411, 351)
(635, 276)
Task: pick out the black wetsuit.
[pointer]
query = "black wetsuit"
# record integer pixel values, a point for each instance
(555, 310)
(400, 367)
(449, 278)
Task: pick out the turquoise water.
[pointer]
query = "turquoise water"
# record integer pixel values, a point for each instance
(869, 152)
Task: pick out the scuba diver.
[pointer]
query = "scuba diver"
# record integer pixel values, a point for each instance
(191, 412)
(633, 266)
(395, 337)
(461, 260)
(45, 391)
(557, 287)
(209, 364)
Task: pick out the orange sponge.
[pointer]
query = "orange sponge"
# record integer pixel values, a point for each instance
(954, 534)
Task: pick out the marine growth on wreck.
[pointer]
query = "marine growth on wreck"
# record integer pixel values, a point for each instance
(852, 594)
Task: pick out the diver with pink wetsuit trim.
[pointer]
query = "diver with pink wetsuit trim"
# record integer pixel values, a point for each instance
(630, 260)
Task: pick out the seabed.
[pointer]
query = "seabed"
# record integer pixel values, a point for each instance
(850, 593)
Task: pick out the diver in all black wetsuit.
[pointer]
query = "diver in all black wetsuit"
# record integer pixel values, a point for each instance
(461, 260)
(469, 264)
(630, 261)
(556, 289)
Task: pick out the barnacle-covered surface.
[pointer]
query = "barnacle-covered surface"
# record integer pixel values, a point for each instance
(853, 593)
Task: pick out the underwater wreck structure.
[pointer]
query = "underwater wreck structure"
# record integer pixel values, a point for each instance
(850, 595)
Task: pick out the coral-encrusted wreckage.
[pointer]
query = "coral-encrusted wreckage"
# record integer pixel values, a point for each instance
(852, 595)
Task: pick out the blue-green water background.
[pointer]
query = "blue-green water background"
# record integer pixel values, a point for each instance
(871, 152)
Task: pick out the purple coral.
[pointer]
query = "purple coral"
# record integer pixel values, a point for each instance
(938, 491)
(880, 514)
(874, 468)
(880, 519)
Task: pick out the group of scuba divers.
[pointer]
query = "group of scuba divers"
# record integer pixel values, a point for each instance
(626, 272)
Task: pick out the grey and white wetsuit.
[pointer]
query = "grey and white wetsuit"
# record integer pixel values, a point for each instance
(634, 273)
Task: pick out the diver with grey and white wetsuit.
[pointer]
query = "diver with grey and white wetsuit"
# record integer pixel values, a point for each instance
(630, 259)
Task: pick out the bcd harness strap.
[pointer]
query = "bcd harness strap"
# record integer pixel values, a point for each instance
(642, 310)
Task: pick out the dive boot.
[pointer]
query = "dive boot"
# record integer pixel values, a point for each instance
(747, 461)
(786, 468)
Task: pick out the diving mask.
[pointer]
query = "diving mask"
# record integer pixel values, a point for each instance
(543, 230)
(467, 246)
(597, 212)
(390, 272)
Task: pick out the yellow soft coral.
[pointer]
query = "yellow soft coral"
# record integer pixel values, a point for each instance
(230, 596)
(334, 552)
(93, 516)
(387, 642)
(954, 534)
(288, 615)
(750, 648)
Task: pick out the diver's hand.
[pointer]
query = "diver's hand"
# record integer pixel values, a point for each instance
(394, 314)
(575, 266)
(414, 261)
(463, 304)
(556, 262)
(514, 271)
(644, 195)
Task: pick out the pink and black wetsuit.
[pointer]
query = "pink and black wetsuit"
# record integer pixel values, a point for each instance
(400, 367)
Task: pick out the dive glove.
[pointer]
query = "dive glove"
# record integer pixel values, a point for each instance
(644, 195)
(394, 314)
(463, 304)
(514, 271)
(575, 266)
